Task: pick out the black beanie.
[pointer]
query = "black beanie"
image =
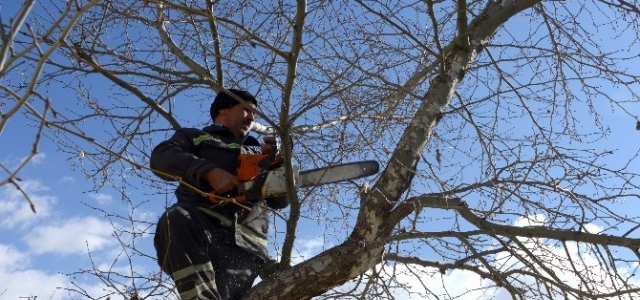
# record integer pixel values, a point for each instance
(224, 100)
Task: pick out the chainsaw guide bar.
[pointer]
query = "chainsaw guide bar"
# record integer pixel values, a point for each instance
(337, 173)
(274, 184)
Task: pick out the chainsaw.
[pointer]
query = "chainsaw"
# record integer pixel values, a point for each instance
(261, 176)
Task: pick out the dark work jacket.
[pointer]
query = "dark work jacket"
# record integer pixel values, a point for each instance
(191, 152)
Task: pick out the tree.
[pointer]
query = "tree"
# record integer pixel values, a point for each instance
(24, 54)
(492, 135)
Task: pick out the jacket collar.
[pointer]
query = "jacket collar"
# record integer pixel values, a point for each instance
(216, 128)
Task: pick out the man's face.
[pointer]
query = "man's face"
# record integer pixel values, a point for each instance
(238, 119)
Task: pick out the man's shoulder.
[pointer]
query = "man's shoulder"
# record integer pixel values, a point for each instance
(214, 130)
(222, 133)
(191, 133)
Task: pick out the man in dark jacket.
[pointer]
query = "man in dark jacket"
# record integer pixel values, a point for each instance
(212, 250)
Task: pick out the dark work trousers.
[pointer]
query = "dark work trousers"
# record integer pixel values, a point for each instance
(200, 255)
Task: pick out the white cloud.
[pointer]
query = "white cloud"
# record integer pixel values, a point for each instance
(46, 240)
(38, 158)
(19, 281)
(11, 162)
(592, 228)
(417, 282)
(29, 283)
(15, 208)
(74, 236)
(66, 179)
(307, 248)
(101, 198)
(535, 220)
(11, 258)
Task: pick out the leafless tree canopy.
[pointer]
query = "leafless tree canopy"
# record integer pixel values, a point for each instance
(490, 119)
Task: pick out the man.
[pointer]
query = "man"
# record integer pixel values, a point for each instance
(212, 250)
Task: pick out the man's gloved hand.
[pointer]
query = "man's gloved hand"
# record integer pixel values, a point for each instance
(271, 142)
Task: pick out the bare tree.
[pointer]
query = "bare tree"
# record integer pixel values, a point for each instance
(489, 117)
(24, 53)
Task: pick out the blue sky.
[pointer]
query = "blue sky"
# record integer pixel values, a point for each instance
(37, 249)
(70, 233)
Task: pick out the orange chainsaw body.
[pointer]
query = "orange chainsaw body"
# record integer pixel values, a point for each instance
(258, 168)
(249, 166)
